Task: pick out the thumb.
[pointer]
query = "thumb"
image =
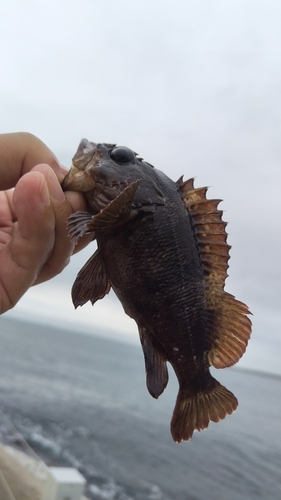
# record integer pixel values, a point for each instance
(32, 239)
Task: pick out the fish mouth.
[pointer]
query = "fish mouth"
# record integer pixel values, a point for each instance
(79, 177)
(78, 180)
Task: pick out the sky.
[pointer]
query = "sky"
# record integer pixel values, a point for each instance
(194, 87)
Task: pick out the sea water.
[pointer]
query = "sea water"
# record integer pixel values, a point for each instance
(81, 401)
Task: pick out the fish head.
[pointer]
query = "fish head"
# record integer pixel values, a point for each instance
(103, 171)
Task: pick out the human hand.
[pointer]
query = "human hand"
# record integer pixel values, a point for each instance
(34, 245)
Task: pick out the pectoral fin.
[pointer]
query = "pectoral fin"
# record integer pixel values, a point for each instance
(91, 282)
(117, 212)
(78, 224)
(155, 364)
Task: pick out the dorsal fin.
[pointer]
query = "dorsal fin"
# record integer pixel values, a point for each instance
(230, 328)
(209, 230)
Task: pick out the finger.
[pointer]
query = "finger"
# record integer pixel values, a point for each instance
(63, 207)
(19, 153)
(32, 240)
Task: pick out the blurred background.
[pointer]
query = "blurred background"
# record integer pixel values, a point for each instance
(194, 87)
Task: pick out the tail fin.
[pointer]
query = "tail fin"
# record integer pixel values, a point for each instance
(195, 411)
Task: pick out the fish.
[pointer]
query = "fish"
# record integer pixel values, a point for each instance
(162, 247)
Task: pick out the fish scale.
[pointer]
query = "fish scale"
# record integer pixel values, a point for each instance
(162, 247)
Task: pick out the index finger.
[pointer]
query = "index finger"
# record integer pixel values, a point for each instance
(19, 153)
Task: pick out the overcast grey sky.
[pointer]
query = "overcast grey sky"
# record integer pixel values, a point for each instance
(194, 87)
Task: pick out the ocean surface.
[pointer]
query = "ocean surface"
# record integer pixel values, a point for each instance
(81, 401)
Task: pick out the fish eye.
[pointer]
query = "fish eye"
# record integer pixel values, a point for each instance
(122, 154)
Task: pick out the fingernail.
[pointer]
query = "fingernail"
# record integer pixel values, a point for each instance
(44, 193)
(54, 187)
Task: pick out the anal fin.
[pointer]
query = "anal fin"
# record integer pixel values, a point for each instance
(91, 282)
(155, 364)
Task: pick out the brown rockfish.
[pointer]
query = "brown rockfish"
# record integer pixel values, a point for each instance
(162, 248)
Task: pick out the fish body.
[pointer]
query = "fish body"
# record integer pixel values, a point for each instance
(162, 248)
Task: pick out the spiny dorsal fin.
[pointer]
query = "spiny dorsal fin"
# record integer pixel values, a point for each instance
(230, 327)
(209, 229)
